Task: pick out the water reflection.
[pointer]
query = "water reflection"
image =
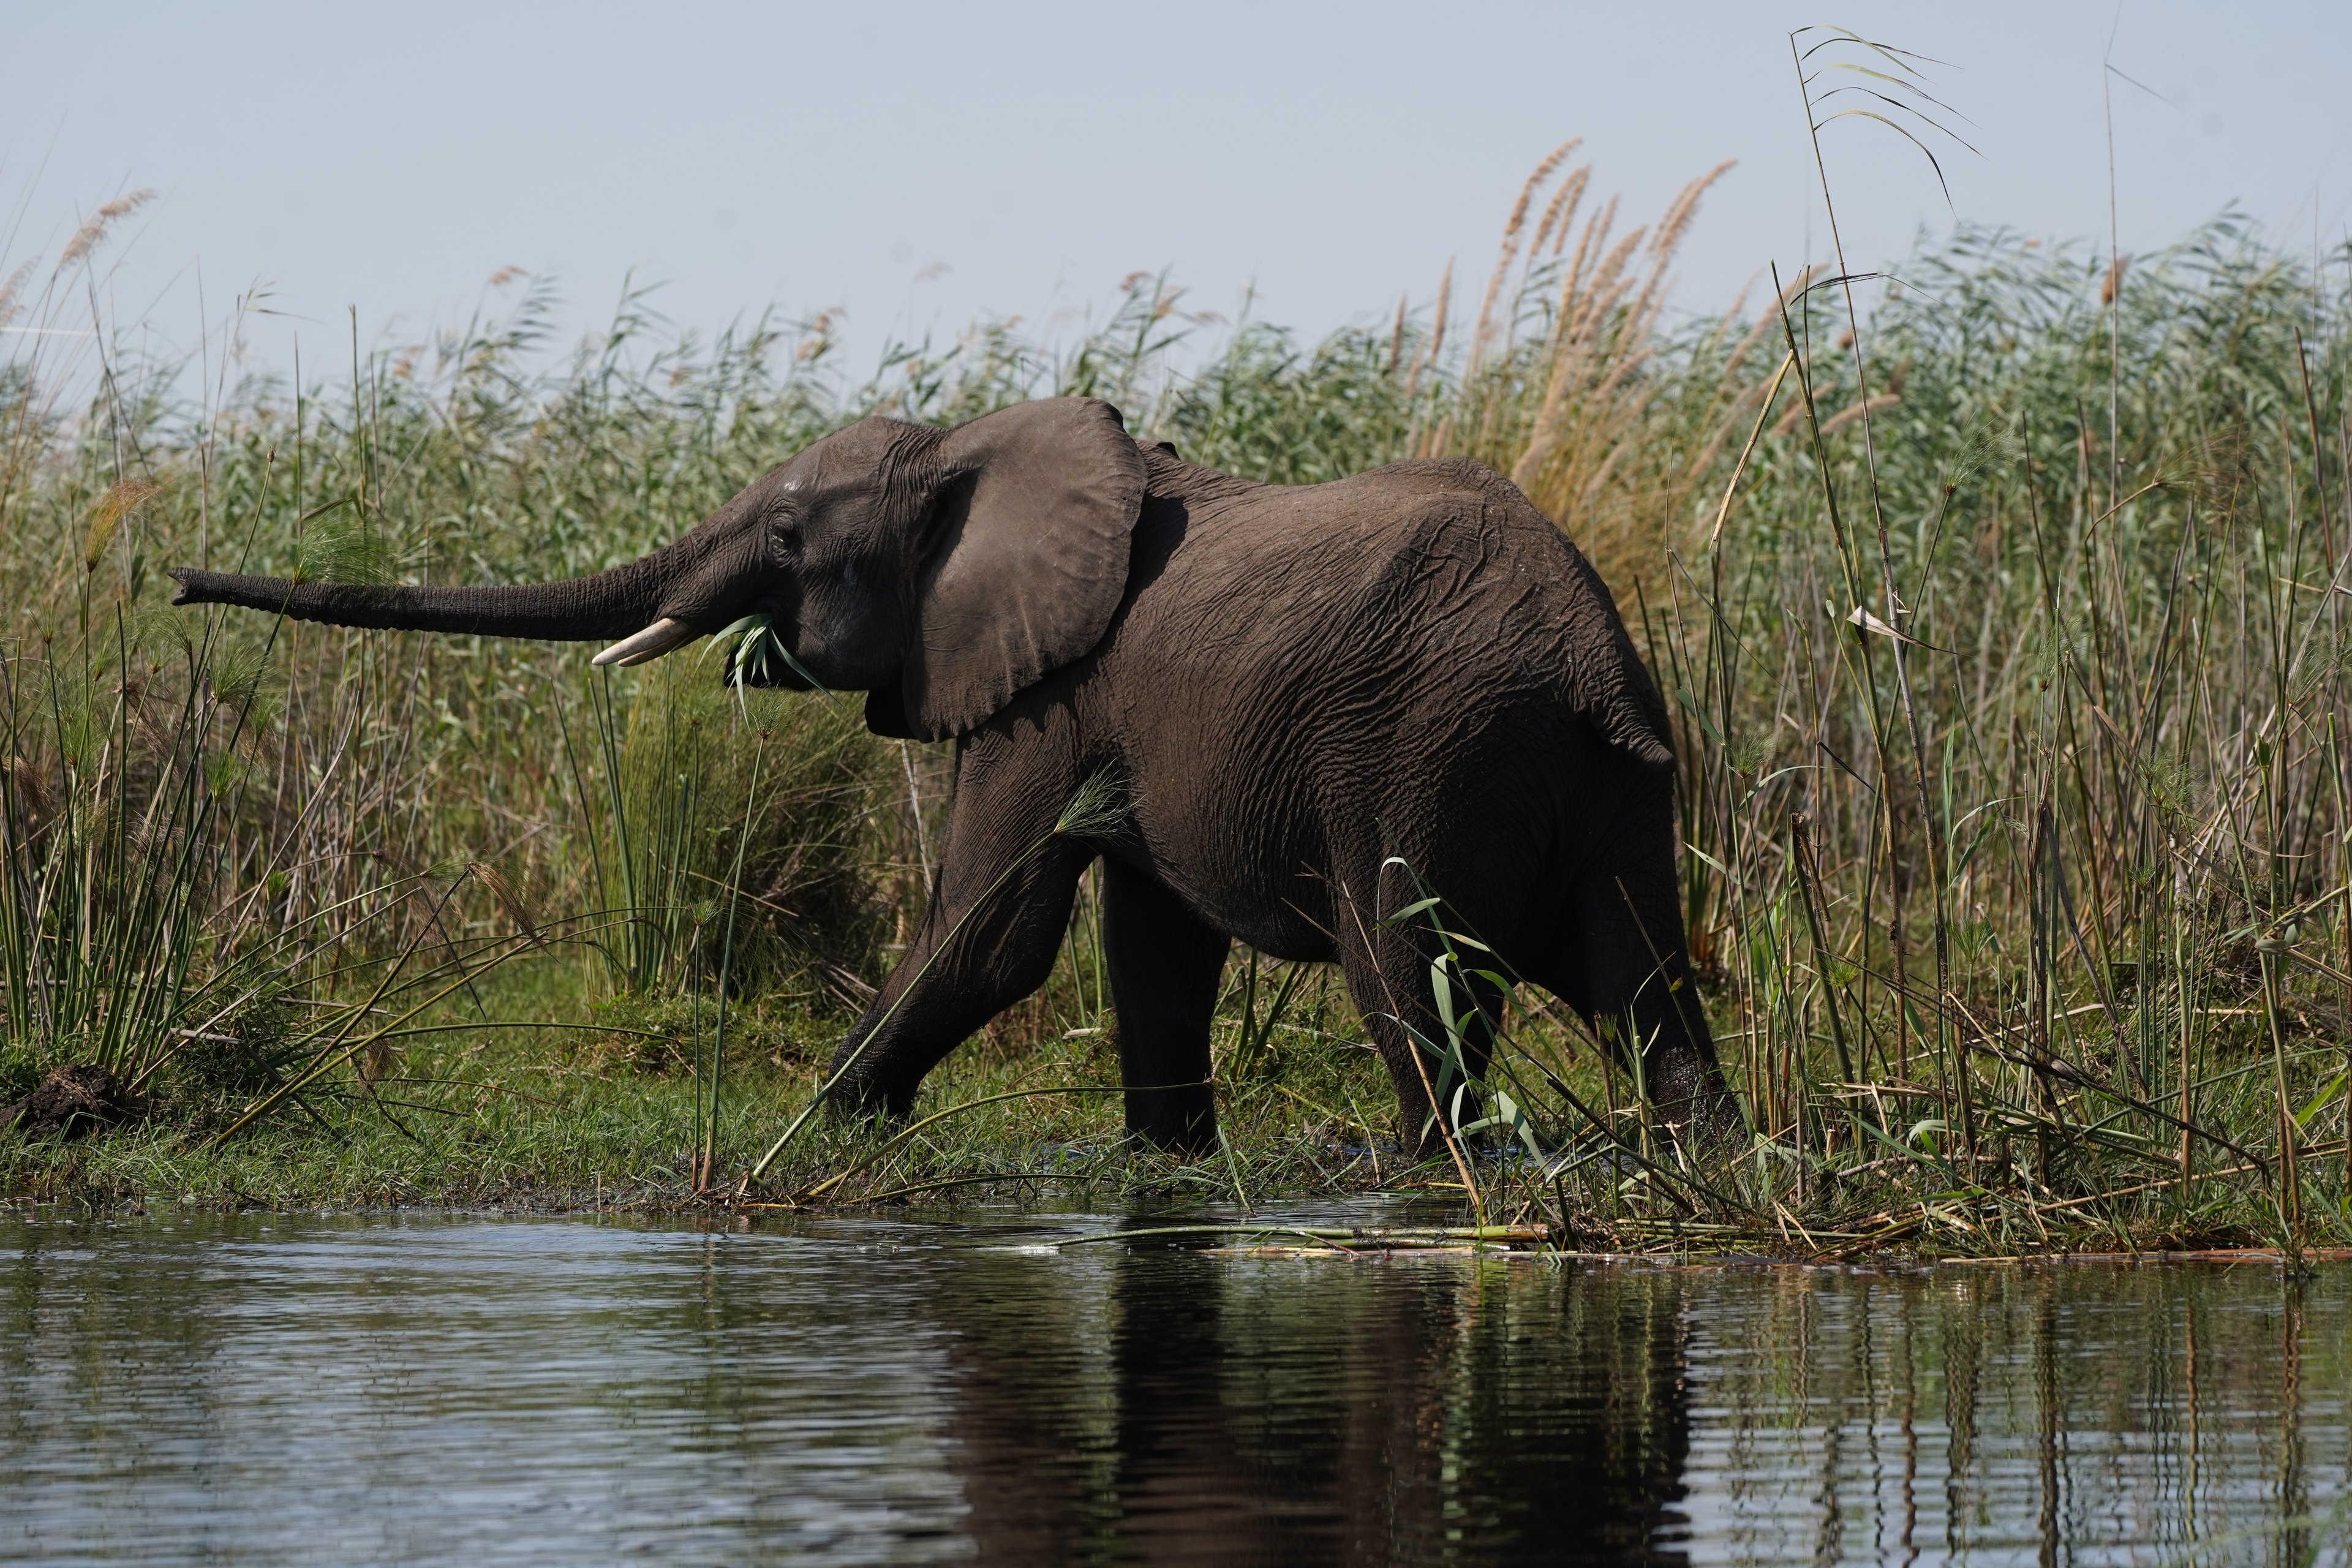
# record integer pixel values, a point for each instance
(1183, 1408)
(275, 1390)
(2060, 1413)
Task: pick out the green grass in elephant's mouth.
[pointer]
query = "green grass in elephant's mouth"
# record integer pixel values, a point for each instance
(2039, 942)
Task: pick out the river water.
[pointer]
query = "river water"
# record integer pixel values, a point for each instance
(276, 1389)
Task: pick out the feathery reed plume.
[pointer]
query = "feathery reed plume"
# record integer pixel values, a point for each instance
(1685, 207)
(92, 233)
(1509, 250)
(509, 899)
(1559, 213)
(12, 293)
(1566, 413)
(122, 499)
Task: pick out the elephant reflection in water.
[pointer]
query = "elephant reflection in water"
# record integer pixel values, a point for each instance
(1178, 1408)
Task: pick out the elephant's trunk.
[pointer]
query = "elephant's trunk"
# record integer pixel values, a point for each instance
(609, 604)
(685, 585)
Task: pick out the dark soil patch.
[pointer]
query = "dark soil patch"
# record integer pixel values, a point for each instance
(71, 1102)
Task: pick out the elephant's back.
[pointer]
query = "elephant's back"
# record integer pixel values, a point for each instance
(1427, 593)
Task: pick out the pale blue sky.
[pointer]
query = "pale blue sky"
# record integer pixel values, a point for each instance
(392, 157)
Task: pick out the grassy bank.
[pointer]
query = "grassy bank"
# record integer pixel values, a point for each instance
(2001, 611)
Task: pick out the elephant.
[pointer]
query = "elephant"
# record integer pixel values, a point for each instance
(1318, 708)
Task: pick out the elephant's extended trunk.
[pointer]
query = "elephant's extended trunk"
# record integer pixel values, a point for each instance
(609, 604)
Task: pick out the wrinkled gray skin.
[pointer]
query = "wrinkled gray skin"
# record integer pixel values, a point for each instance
(1319, 703)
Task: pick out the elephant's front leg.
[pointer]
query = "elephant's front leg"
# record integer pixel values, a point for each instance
(998, 913)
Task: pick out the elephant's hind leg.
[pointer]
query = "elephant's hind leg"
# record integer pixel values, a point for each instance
(1623, 964)
(1164, 968)
(1437, 1070)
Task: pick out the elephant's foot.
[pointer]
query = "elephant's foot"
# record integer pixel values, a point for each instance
(858, 1096)
(1689, 1096)
(1180, 1121)
(1423, 1139)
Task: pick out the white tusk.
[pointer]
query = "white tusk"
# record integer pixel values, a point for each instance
(650, 644)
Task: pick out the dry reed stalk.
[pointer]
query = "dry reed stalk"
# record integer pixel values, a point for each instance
(1427, 359)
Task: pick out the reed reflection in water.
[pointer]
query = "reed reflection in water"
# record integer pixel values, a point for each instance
(292, 1390)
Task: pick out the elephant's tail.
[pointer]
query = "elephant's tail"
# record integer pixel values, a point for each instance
(1632, 717)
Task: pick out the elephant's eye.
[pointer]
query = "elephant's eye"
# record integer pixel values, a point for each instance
(783, 545)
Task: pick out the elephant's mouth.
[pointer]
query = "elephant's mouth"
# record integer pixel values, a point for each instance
(758, 653)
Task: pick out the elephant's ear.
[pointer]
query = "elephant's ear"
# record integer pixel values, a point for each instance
(1028, 558)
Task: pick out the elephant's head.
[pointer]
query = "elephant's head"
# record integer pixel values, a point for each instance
(940, 571)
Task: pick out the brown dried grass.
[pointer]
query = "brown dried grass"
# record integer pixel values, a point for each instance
(1556, 391)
